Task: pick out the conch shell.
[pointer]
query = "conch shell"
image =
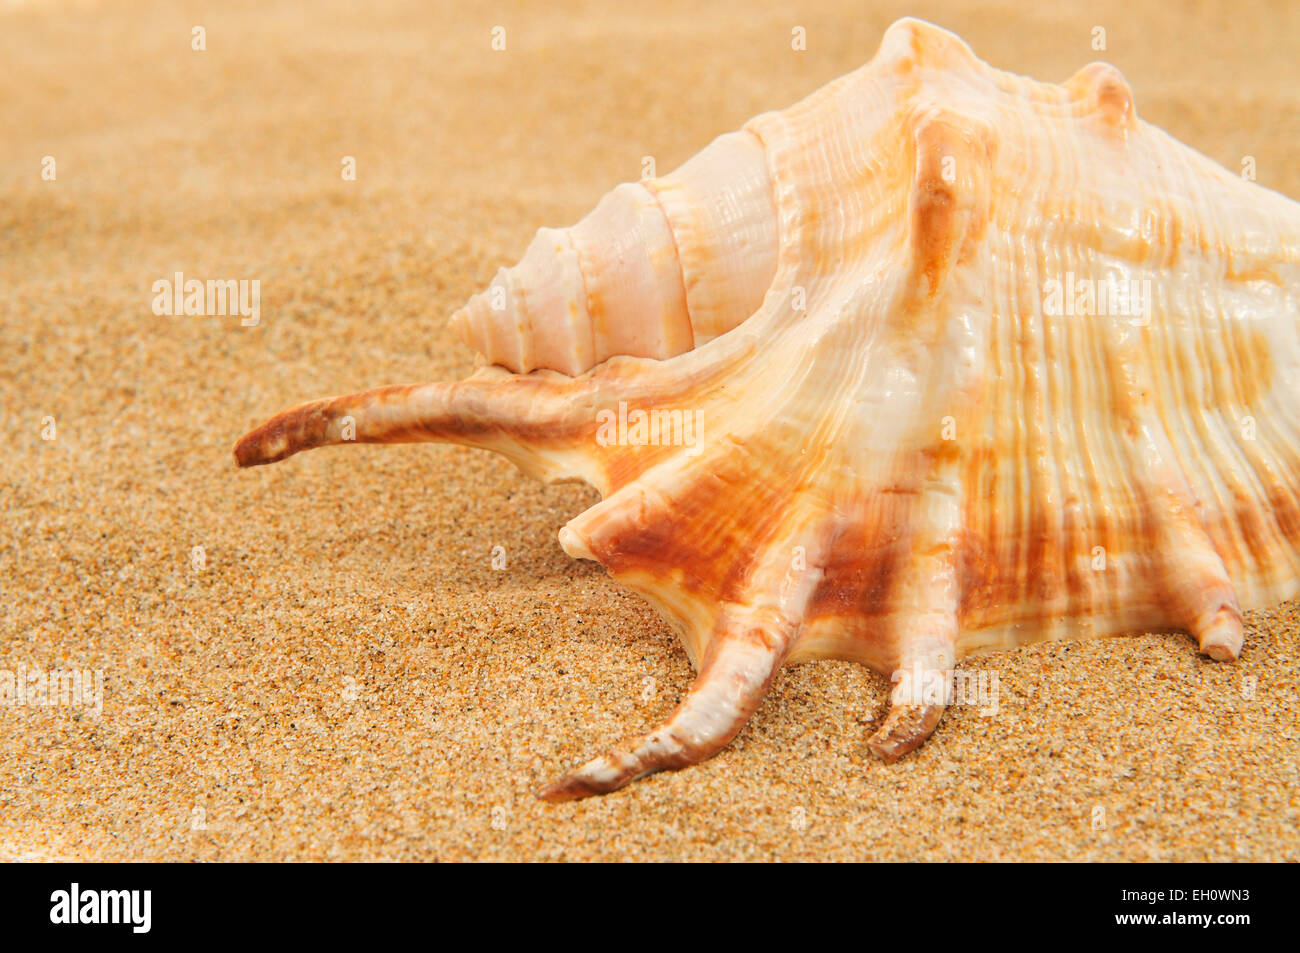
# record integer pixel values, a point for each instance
(938, 361)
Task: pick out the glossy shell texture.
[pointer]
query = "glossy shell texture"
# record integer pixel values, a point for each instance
(938, 361)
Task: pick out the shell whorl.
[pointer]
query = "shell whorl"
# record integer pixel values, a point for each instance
(657, 268)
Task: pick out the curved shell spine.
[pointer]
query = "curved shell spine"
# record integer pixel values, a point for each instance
(1026, 368)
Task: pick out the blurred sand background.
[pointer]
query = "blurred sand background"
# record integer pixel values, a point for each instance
(348, 677)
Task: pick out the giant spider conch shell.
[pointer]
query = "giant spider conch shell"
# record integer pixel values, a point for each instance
(938, 361)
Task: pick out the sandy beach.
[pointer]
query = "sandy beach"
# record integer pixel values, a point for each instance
(318, 660)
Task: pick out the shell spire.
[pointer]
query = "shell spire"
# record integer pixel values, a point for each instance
(657, 268)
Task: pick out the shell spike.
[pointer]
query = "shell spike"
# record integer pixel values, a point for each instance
(922, 685)
(518, 417)
(742, 655)
(737, 669)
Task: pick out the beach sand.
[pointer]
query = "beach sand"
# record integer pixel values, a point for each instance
(317, 660)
